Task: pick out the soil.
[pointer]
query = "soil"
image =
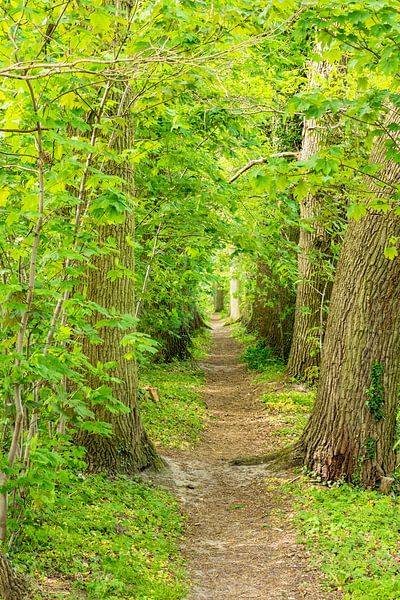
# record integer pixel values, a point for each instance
(240, 540)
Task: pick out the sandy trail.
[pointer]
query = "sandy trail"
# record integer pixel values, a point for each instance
(240, 541)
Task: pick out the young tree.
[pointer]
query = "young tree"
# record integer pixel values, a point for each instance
(351, 431)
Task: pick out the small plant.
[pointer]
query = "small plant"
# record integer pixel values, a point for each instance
(370, 448)
(258, 356)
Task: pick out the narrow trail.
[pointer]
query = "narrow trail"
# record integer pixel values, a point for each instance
(240, 541)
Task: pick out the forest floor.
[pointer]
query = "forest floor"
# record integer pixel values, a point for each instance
(240, 540)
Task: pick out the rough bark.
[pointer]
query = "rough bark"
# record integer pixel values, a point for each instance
(314, 243)
(12, 587)
(351, 431)
(128, 449)
(272, 312)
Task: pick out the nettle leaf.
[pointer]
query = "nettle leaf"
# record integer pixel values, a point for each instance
(110, 207)
(391, 249)
(118, 321)
(357, 211)
(301, 190)
(140, 343)
(391, 252)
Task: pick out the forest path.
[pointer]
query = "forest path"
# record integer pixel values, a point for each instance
(240, 541)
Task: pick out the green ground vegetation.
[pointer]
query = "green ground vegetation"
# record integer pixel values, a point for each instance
(257, 356)
(353, 535)
(103, 538)
(177, 418)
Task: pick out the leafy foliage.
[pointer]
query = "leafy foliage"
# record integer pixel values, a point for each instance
(376, 392)
(103, 538)
(258, 356)
(356, 533)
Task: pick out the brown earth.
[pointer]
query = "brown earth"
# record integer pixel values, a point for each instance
(241, 542)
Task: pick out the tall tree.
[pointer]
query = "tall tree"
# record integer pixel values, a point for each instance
(128, 448)
(110, 285)
(351, 431)
(314, 242)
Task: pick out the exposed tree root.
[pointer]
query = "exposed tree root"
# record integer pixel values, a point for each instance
(285, 458)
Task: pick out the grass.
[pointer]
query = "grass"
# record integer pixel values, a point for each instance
(177, 419)
(102, 538)
(290, 410)
(356, 535)
(352, 534)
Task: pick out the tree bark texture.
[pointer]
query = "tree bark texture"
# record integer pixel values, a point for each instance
(12, 587)
(273, 312)
(351, 431)
(314, 243)
(128, 449)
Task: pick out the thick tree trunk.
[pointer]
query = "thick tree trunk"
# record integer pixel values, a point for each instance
(234, 300)
(128, 449)
(12, 587)
(314, 242)
(272, 313)
(351, 431)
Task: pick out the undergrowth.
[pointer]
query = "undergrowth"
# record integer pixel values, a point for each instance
(354, 537)
(290, 411)
(257, 355)
(102, 538)
(352, 533)
(177, 418)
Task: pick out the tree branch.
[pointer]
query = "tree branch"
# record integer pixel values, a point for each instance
(33, 130)
(261, 161)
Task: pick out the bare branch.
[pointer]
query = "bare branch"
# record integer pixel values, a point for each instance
(261, 161)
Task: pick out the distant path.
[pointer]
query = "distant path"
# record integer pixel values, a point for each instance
(238, 545)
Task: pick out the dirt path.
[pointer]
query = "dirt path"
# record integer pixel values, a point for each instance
(240, 541)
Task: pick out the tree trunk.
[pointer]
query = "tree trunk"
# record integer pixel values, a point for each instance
(12, 587)
(218, 299)
(234, 302)
(128, 449)
(272, 313)
(314, 242)
(351, 431)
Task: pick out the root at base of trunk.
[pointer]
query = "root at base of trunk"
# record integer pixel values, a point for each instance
(285, 458)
